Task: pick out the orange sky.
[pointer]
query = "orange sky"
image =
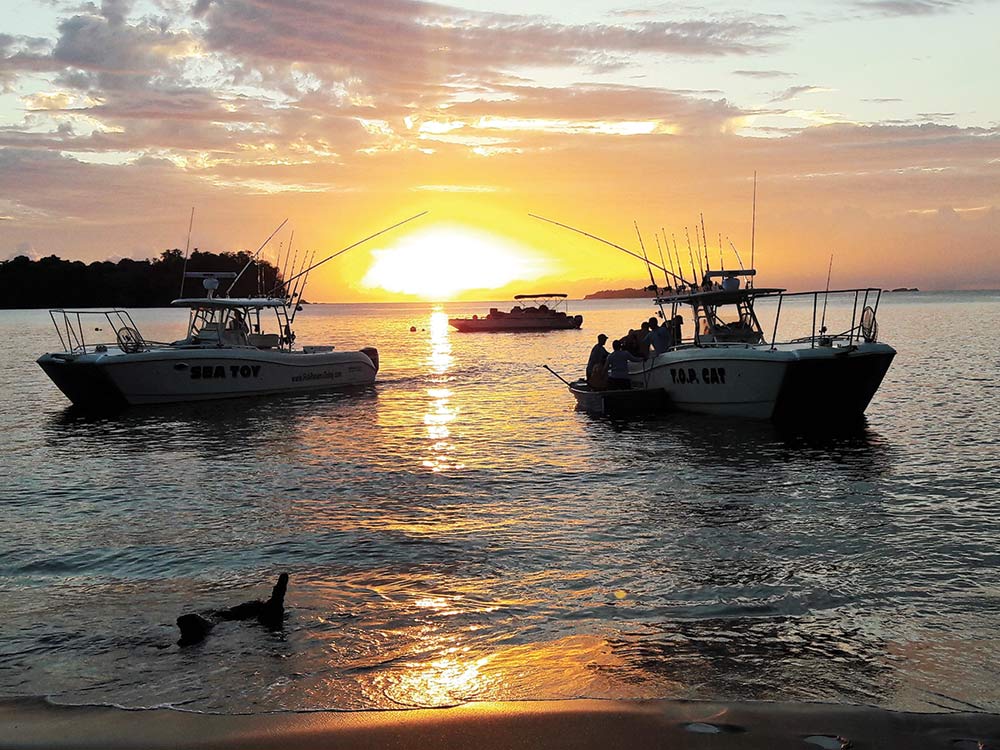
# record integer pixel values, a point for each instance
(114, 121)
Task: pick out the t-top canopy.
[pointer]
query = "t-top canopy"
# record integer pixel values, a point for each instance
(539, 296)
(228, 303)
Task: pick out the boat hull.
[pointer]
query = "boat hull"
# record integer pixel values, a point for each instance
(160, 376)
(516, 325)
(790, 383)
(619, 402)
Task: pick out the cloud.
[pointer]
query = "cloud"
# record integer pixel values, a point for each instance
(910, 7)
(761, 73)
(794, 92)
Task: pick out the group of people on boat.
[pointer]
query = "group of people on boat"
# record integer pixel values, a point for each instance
(609, 370)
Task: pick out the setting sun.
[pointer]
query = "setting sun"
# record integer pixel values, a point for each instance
(443, 261)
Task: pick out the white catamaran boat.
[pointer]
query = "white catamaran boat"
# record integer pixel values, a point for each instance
(728, 367)
(230, 350)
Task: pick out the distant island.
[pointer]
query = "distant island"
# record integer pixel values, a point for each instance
(53, 282)
(905, 289)
(621, 294)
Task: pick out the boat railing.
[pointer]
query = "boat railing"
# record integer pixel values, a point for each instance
(74, 326)
(863, 326)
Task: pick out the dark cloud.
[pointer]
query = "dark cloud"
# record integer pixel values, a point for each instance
(392, 43)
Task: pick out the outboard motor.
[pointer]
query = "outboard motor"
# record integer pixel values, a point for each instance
(372, 353)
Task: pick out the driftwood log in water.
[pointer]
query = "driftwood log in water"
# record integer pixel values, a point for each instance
(270, 614)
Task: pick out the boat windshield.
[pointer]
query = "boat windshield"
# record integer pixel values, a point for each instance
(730, 323)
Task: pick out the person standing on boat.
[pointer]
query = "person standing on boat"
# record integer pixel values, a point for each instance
(618, 360)
(659, 336)
(598, 356)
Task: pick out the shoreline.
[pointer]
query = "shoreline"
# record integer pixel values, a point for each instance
(584, 723)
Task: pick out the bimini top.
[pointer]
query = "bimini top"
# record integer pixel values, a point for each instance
(718, 296)
(539, 296)
(229, 302)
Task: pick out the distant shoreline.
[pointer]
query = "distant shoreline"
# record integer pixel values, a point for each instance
(628, 293)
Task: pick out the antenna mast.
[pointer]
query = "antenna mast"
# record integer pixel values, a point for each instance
(826, 296)
(753, 223)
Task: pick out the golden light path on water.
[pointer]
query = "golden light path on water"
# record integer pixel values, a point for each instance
(441, 411)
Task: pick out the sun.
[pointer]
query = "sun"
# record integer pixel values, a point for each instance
(442, 261)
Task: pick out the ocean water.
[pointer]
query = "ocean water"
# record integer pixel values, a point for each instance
(459, 532)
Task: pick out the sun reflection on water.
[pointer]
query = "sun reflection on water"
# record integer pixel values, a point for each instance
(441, 412)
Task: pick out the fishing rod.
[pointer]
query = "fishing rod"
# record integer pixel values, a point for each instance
(645, 257)
(253, 258)
(187, 247)
(557, 374)
(284, 282)
(722, 263)
(649, 268)
(662, 261)
(704, 241)
(301, 291)
(677, 255)
(284, 268)
(601, 239)
(826, 296)
(359, 242)
(697, 242)
(738, 258)
(694, 273)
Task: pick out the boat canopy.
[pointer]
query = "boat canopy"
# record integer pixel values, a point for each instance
(719, 296)
(228, 303)
(540, 296)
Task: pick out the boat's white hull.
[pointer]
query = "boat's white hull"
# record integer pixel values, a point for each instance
(788, 383)
(172, 375)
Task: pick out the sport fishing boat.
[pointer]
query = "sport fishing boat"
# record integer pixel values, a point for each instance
(728, 367)
(230, 349)
(233, 347)
(545, 316)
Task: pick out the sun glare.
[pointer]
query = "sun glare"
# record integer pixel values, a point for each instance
(441, 262)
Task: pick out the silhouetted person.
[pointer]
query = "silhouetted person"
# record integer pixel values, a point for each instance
(659, 336)
(618, 360)
(598, 356)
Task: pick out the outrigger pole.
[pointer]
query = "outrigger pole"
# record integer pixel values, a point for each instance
(253, 258)
(186, 248)
(606, 242)
(649, 267)
(354, 245)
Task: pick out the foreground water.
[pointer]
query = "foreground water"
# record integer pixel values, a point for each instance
(459, 532)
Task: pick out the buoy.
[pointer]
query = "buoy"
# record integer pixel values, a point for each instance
(413, 329)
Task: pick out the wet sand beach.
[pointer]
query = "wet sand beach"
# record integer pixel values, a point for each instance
(485, 726)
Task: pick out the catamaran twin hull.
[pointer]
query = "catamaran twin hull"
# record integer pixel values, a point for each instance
(786, 383)
(159, 376)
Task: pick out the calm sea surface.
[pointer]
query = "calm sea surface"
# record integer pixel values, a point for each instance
(459, 532)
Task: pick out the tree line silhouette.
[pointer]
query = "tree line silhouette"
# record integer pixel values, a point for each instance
(54, 282)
